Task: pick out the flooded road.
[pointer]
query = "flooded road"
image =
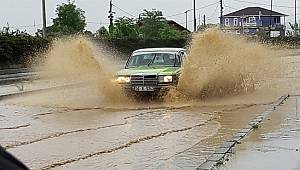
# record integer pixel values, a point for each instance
(73, 127)
(275, 145)
(97, 138)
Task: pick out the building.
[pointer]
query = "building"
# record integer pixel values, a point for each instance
(254, 21)
(177, 26)
(171, 23)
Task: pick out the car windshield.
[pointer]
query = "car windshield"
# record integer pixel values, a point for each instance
(154, 59)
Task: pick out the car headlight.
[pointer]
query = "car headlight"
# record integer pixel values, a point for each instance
(123, 79)
(165, 79)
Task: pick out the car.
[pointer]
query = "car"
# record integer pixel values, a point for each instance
(151, 71)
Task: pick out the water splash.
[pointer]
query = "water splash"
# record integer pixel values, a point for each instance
(220, 64)
(78, 59)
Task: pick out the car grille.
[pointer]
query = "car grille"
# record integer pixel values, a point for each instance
(144, 80)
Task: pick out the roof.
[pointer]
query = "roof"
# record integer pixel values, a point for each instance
(171, 23)
(177, 26)
(254, 11)
(164, 50)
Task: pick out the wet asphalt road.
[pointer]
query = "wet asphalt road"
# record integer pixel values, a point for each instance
(160, 137)
(274, 145)
(47, 131)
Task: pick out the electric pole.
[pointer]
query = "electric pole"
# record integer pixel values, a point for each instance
(186, 18)
(295, 25)
(111, 16)
(204, 20)
(221, 13)
(44, 18)
(270, 26)
(195, 20)
(199, 20)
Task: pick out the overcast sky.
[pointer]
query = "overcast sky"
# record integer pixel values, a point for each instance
(26, 14)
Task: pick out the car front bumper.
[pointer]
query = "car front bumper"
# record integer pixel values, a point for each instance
(147, 88)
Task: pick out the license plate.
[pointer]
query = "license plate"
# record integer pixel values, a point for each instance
(143, 88)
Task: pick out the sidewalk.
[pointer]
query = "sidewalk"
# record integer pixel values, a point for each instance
(274, 145)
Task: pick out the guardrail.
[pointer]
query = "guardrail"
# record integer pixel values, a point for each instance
(16, 77)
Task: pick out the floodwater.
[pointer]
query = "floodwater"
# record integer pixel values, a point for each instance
(91, 125)
(275, 145)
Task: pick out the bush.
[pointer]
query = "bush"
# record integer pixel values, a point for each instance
(15, 49)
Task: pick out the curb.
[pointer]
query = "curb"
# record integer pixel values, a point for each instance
(225, 149)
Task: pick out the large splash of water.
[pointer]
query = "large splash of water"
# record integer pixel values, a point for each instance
(220, 64)
(79, 60)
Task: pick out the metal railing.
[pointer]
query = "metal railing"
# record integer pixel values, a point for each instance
(16, 77)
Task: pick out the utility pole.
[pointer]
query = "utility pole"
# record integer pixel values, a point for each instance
(204, 20)
(221, 13)
(195, 20)
(186, 18)
(295, 25)
(199, 20)
(44, 19)
(242, 25)
(111, 16)
(270, 26)
(34, 25)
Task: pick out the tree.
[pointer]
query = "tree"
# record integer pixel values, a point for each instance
(125, 28)
(155, 26)
(169, 32)
(69, 20)
(102, 33)
(151, 23)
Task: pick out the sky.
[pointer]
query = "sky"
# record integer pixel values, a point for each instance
(26, 14)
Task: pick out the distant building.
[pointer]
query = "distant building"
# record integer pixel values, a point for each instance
(177, 26)
(172, 23)
(254, 21)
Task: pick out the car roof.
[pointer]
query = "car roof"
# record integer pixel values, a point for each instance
(171, 50)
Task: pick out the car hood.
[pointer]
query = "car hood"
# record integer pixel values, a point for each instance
(151, 70)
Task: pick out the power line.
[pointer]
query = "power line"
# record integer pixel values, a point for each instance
(210, 17)
(124, 11)
(231, 7)
(181, 13)
(181, 23)
(213, 13)
(98, 23)
(279, 6)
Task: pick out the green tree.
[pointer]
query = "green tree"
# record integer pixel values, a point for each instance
(151, 23)
(170, 32)
(102, 32)
(155, 26)
(125, 28)
(69, 20)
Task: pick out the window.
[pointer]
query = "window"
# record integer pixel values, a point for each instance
(277, 20)
(157, 59)
(226, 21)
(251, 19)
(235, 22)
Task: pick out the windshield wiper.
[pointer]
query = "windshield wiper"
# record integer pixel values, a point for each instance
(152, 61)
